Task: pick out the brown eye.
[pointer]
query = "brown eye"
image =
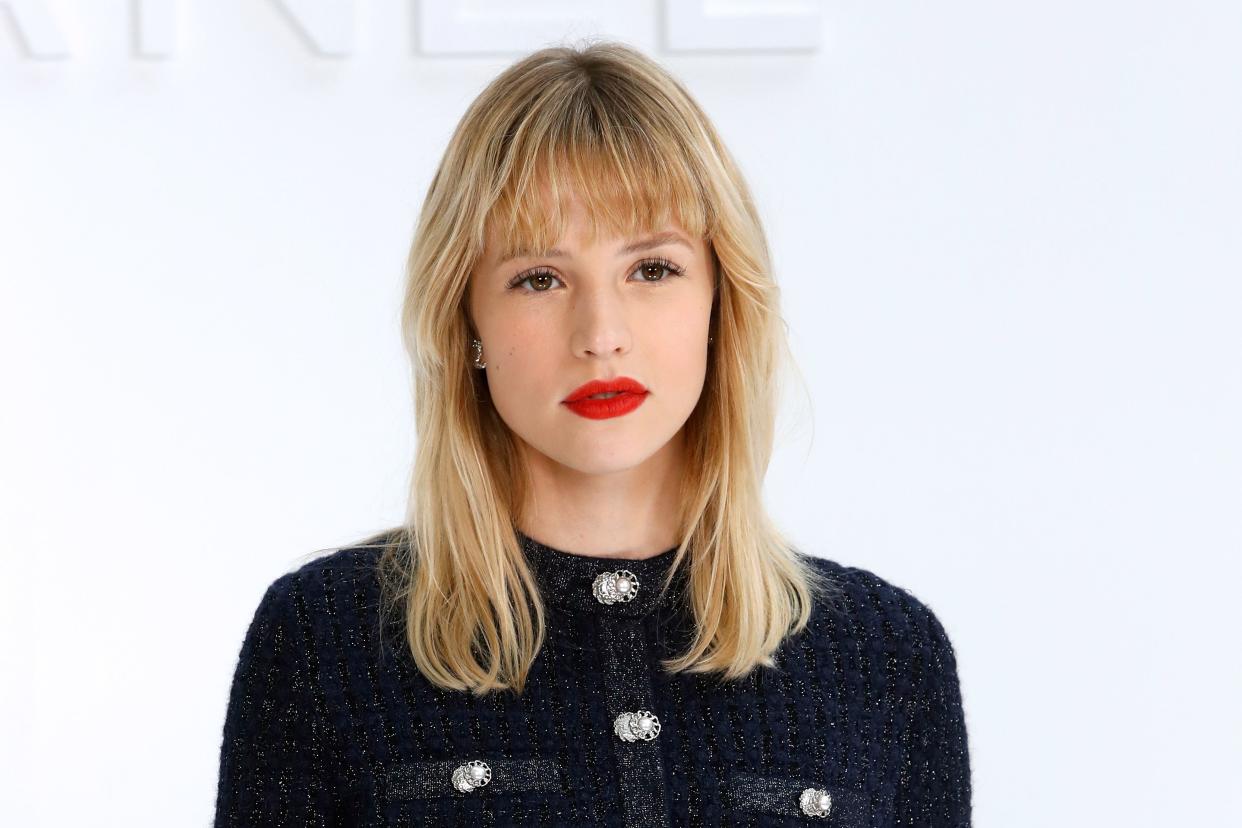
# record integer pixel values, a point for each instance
(539, 277)
(658, 267)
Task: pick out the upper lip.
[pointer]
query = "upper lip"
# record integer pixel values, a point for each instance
(603, 386)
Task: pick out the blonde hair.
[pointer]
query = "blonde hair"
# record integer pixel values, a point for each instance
(608, 125)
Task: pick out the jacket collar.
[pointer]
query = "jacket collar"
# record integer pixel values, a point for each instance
(568, 580)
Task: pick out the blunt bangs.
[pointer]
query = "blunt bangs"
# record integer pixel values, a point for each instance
(618, 156)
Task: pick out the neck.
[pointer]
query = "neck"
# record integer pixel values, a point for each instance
(630, 513)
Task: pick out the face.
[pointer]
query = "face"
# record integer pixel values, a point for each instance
(551, 323)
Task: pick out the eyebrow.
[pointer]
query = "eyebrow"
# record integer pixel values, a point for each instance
(633, 247)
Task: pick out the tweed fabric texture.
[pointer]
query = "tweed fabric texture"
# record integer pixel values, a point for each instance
(329, 723)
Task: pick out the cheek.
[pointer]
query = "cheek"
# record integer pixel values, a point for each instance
(682, 325)
(521, 332)
(676, 351)
(682, 362)
(522, 361)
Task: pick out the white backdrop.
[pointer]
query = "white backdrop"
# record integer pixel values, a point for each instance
(1008, 238)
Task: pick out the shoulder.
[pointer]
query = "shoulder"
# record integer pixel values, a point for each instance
(341, 582)
(859, 603)
(354, 565)
(331, 570)
(341, 565)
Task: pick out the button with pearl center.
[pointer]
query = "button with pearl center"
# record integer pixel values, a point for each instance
(611, 587)
(815, 802)
(471, 775)
(642, 724)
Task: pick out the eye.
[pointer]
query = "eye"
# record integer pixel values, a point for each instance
(648, 266)
(539, 277)
(532, 276)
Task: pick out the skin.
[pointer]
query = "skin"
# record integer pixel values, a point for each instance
(607, 487)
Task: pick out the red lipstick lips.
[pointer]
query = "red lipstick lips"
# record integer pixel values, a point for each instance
(628, 395)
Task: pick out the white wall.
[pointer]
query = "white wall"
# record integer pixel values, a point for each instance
(1008, 236)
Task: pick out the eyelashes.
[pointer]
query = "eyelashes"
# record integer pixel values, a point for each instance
(673, 270)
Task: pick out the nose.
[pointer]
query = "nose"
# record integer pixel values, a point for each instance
(600, 326)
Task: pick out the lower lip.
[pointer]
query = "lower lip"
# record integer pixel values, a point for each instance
(603, 409)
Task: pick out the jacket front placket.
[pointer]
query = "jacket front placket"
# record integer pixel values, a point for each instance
(627, 660)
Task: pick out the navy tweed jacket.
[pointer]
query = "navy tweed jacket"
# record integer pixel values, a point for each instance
(329, 723)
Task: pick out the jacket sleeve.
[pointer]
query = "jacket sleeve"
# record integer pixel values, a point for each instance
(936, 786)
(274, 769)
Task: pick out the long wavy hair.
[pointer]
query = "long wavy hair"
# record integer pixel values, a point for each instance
(608, 125)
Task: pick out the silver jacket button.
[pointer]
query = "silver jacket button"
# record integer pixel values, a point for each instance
(634, 726)
(471, 775)
(815, 802)
(611, 587)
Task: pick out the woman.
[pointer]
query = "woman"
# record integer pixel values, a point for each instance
(588, 618)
